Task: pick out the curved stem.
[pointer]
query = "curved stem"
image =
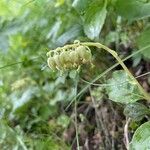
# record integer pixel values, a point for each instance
(115, 55)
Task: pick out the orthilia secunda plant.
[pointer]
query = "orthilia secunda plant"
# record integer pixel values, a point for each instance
(69, 57)
(73, 56)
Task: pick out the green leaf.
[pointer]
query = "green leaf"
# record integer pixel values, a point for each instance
(121, 88)
(63, 121)
(72, 33)
(81, 5)
(144, 40)
(141, 138)
(94, 19)
(136, 58)
(133, 10)
(136, 111)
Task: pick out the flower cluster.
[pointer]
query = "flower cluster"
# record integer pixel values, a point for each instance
(67, 58)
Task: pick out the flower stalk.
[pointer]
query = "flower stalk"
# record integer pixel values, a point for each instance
(82, 57)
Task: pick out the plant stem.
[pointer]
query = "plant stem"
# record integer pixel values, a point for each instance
(115, 55)
(76, 115)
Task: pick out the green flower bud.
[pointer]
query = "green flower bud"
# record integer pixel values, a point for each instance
(84, 53)
(87, 56)
(68, 65)
(59, 65)
(63, 58)
(51, 63)
(74, 57)
(66, 56)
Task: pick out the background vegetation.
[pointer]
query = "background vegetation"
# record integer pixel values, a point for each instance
(43, 110)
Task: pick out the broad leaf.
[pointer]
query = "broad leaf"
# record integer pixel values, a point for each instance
(133, 10)
(121, 88)
(144, 40)
(141, 138)
(94, 19)
(72, 33)
(136, 111)
(81, 5)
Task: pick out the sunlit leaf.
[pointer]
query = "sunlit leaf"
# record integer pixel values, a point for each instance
(141, 138)
(94, 18)
(81, 5)
(121, 88)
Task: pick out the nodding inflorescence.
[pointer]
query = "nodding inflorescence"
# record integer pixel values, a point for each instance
(69, 57)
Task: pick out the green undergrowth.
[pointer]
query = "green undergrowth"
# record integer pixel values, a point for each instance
(43, 109)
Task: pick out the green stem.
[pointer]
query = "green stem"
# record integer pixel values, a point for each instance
(75, 108)
(115, 55)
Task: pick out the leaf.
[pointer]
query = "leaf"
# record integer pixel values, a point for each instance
(136, 59)
(133, 10)
(59, 3)
(136, 111)
(144, 40)
(54, 30)
(94, 19)
(72, 33)
(8, 9)
(141, 138)
(121, 88)
(81, 5)
(63, 120)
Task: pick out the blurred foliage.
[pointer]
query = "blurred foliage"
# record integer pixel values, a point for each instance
(138, 9)
(33, 98)
(143, 40)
